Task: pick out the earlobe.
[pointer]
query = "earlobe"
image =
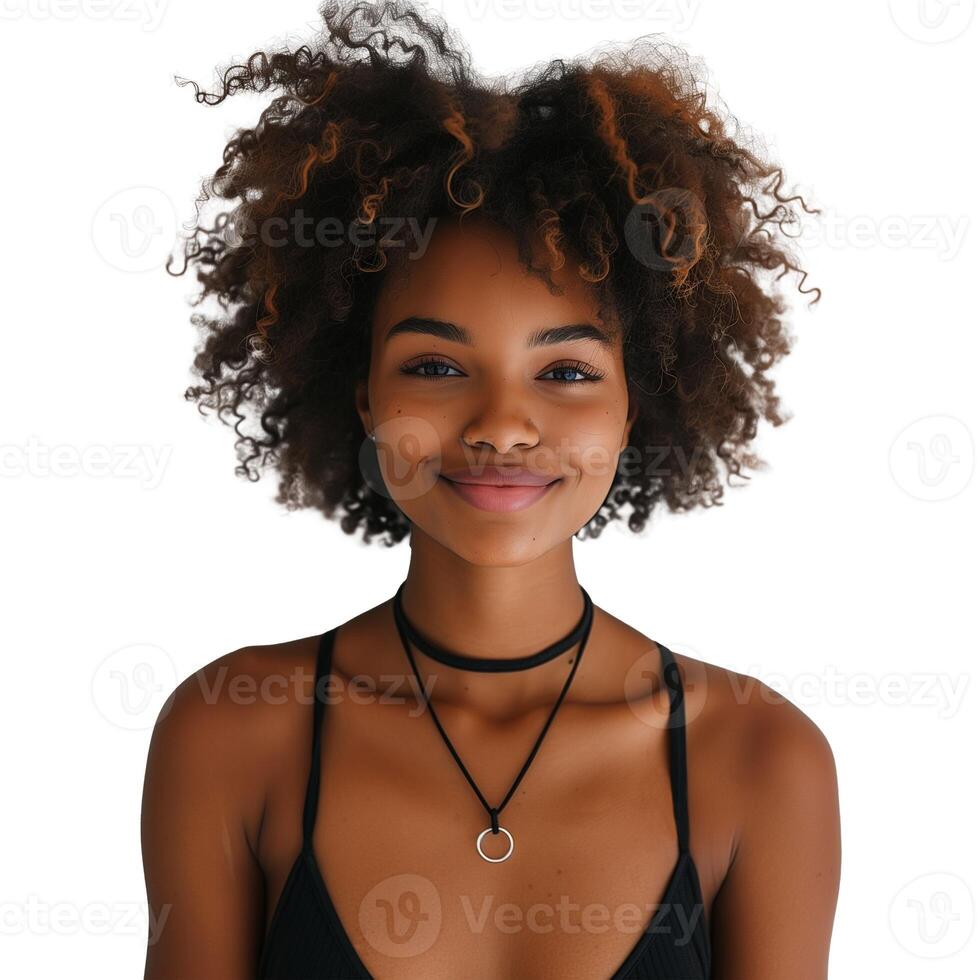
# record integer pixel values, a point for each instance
(363, 409)
(633, 412)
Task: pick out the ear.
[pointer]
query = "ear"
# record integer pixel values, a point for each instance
(361, 404)
(634, 410)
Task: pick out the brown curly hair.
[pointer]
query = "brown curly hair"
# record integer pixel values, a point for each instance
(617, 164)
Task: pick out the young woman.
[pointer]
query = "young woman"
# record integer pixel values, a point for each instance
(487, 317)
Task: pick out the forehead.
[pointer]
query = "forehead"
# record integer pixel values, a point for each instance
(471, 274)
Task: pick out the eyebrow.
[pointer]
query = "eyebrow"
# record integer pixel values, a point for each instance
(540, 338)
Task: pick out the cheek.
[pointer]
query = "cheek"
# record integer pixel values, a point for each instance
(409, 453)
(588, 440)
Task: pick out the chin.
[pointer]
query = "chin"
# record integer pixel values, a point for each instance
(495, 547)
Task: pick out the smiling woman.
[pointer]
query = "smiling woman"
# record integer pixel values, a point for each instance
(612, 174)
(584, 326)
(513, 399)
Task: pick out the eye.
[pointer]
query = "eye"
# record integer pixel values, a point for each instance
(575, 367)
(434, 368)
(428, 362)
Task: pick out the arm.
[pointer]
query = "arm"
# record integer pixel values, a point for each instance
(774, 912)
(201, 809)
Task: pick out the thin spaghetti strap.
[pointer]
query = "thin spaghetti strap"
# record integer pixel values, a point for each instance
(678, 746)
(319, 702)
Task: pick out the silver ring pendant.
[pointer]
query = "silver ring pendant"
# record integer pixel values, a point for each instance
(479, 842)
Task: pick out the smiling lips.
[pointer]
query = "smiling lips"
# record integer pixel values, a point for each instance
(500, 488)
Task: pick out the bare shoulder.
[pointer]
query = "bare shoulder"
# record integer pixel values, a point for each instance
(227, 726)
(240, 692)
(748, 744)
(763, 762)
(761, 737)
(767, 816)
(214, 766)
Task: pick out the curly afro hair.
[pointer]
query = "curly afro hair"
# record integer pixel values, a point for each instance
(615, 163)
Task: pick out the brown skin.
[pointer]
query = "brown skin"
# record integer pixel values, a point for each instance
(512, 575)
(592, 818)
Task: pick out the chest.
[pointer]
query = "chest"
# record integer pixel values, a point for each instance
(395, 839)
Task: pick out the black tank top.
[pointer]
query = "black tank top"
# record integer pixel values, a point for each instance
(306, 940)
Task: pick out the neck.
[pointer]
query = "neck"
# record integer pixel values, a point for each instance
(494, 613)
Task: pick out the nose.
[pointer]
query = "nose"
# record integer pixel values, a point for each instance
(503, 422)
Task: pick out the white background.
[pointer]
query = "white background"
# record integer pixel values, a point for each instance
(845, 576)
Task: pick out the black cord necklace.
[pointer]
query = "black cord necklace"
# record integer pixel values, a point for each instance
(490, 664)
(409, 634)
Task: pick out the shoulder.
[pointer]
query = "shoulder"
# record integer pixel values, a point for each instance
(225, 728)
(775, 770)
(766, 784)
(771, 769)
(741, 726)
(767, 734)
(779, 749)
(240, 690)
(215, 759)
(769, 745)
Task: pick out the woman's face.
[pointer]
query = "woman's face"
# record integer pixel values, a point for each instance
(468, 372)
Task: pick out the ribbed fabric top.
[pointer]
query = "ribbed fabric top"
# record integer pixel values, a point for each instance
(307, 941)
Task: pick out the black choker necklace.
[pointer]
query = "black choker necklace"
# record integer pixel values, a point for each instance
(492, 665)
(578, 635)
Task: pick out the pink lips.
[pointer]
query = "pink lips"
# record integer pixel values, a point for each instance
(498, 488)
